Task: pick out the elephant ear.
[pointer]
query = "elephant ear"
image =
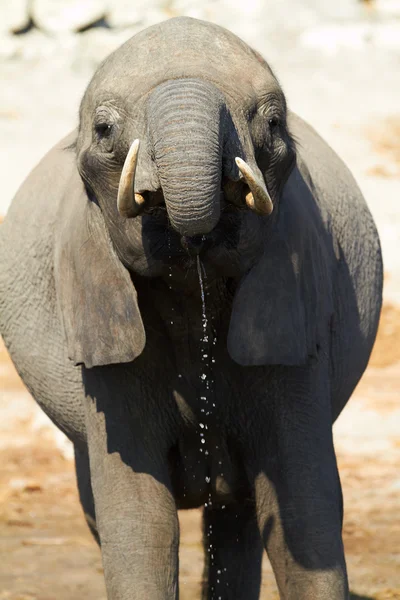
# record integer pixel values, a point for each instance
(96, 296)
(282, 307)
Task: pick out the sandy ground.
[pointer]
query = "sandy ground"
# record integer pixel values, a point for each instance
(349, 89)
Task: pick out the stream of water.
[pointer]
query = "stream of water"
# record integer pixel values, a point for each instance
(207, 407)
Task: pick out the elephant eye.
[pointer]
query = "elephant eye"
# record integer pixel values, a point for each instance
(103, 130)
(273, 123)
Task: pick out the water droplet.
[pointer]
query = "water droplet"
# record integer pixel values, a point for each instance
(203, 441)
(208, 479)
(201, 425)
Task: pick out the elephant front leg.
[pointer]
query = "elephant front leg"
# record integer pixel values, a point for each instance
(302, 537)
(136, 515)
(299, 500)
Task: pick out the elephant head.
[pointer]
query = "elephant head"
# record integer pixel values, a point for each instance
(184, 148)
(182, 132)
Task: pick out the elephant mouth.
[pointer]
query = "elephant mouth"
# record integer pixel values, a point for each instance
(164, 243)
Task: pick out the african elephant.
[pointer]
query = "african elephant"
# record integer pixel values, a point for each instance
(188, 169)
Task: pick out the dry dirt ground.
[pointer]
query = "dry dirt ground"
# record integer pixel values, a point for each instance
(47, 553)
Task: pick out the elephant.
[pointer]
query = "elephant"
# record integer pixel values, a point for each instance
(190, 288)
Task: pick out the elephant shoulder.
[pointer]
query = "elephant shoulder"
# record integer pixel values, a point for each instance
(338, 204)
(323, 199)
(334, 188)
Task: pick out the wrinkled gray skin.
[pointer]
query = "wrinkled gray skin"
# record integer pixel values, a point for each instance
(102, 317)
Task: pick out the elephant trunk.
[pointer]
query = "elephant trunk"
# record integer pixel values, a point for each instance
(186, 121)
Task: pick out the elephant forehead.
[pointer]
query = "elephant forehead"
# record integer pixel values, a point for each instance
(184, 47)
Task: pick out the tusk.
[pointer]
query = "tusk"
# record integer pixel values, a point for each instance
(258, 198)
(129, 204)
